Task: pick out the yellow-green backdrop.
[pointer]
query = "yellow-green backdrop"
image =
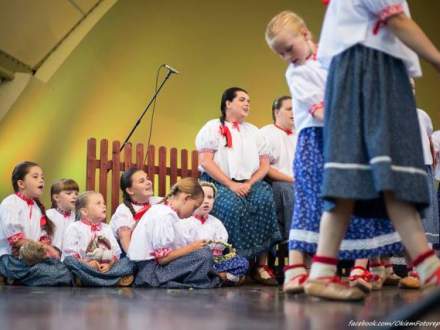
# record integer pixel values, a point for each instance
(104, 85)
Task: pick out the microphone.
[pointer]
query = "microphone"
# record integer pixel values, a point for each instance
(171, 69)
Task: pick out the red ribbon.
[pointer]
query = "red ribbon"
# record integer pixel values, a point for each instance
(201, 218)
(224, 130)
(141, 212)
(93, 226)
(288, 131)
(65, 214)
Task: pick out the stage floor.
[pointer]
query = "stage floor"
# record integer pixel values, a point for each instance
(247, 307)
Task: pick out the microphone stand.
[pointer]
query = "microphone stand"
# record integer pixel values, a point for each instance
(146, 109)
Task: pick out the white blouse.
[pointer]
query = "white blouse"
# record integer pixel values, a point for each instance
(426, 130)
(154, 235)
(192, 229)
(283, 148)
(124, 218)
(351, 22)
(307, 85)
(435, 138)
(78, 236)
(18, 220)
(61, 223)
(242, 159)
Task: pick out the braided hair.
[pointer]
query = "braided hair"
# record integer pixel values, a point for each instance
(19, 172)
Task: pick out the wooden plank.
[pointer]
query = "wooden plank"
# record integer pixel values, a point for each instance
(150, 164)
(162, 170)
(184, 163)
(194, 164)
(91, 164)
(139, 156)
(173, 166)
(103, 152)
(127, 156)
(116, 174)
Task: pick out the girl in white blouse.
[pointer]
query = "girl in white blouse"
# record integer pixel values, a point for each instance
(162, 262)
(22, 220)
(90, 250)
(137, 195)
(63, 194)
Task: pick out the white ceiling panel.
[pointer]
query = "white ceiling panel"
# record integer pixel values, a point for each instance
(30, 29)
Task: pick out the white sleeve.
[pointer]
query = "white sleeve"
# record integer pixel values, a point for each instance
(221, 234)
(273, 151)
(71, 242)
(263, 146)
(11, 221)
(183, 232)
(208, 137)
(384, 9)
(163, 237)
(121, 218)
(307, 87)
(116, 250)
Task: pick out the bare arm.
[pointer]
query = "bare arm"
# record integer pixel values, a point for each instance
(206, 160)
(261, 172)
(183, 251)
(413, 36)
(276, 175)
(124, 238)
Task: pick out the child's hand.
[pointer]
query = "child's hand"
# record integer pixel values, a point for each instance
(94, 264)
(197, 245)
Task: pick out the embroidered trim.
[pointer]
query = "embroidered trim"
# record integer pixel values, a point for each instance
(347, 245)
(161, 253)
(15, 238)
(315, 107)
(385, 14)
(45, 239)
(375, 160)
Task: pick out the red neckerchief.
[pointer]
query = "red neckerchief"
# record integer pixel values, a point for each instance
(201, 218)
(325, 2)
(142, 211)
(288, 131)
(94, 227)
(29, 201)
(65, 214)
(224, 130)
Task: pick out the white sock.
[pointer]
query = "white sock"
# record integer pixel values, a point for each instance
(320, 269)
(427, 267)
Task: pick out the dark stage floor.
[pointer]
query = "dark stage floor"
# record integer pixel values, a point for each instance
(248, 307)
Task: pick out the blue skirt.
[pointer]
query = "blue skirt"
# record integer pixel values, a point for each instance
(251, 221)
(430, 219)
(364, 238)
(194, 270)
(50, 272)
(372, 140)
(91, 277)
(237, 266)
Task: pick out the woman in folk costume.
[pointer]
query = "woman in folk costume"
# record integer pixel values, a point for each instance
(234, 155)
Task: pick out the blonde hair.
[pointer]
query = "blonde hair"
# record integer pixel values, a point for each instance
(32, 253)
(286, 20)
(82, 201)
(210, 185)
(190, 186)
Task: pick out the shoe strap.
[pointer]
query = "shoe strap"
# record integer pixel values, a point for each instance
(333, 279)
(267, 269)
(302, 278)
(366, 275)
(286, 268)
